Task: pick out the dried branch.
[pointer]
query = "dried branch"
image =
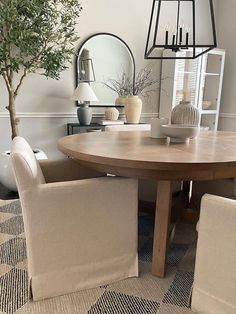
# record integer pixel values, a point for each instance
(122, 86)
(126, 87)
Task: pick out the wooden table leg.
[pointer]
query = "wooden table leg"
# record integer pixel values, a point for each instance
(161, 230)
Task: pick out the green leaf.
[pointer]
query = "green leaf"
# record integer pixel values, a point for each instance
(38, 34)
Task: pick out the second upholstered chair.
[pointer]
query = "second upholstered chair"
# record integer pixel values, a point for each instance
(214, 288)
(223, 188)
(79, 234)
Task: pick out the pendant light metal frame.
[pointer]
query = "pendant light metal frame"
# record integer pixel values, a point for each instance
(177, 47)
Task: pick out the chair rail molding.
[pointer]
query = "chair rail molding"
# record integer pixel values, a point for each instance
(65, 115)
(228, 115)
(95, 115)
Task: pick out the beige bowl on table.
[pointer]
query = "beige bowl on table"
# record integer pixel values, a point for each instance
(179, 133)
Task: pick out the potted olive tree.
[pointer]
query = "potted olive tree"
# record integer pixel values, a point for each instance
(36, 36)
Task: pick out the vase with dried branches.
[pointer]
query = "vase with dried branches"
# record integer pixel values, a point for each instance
(143, 85)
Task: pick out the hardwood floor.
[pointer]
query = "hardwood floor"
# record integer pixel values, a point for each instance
(6, 194)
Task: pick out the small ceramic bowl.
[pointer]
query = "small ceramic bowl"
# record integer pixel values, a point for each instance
(180, 133)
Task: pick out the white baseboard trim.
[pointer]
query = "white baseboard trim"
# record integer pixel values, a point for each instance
(228, 115)
(64, 115)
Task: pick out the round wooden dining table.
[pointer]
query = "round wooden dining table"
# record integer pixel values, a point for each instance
(135, 154)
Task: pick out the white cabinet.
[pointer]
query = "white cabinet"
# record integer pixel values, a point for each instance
(199, 80)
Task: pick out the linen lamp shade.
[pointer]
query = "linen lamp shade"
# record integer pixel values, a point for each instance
(84, 93)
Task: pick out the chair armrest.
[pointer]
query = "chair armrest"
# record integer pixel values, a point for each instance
(66, 169)
(71, 195)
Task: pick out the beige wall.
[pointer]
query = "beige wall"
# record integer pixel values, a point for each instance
(226, 28)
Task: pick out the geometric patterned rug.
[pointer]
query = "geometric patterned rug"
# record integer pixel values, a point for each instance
(144, 295)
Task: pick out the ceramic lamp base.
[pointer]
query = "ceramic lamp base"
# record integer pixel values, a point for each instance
(84, 114)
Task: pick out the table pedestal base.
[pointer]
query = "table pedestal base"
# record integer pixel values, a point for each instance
(161, 230)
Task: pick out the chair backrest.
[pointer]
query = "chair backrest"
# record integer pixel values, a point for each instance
(26, 168)
(128, 127)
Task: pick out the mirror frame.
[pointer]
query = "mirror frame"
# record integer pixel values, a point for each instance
(77, 60)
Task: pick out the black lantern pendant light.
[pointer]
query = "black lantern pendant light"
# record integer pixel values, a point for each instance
(181, 25)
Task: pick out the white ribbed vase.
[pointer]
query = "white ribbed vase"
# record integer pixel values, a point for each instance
(133, 109)
(186, 114)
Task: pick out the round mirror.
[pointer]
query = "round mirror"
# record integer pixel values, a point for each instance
(100, 58)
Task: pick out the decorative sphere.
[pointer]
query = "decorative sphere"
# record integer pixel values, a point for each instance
(186, 114)
(111, 114)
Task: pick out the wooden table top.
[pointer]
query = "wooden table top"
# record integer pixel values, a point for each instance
(134, 153)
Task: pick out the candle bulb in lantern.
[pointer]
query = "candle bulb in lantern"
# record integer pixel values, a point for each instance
(167, 29)
(187, 38)
(173, 41)
(180, 35)
(167, 39)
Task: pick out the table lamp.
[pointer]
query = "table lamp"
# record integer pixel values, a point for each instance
(84, 94)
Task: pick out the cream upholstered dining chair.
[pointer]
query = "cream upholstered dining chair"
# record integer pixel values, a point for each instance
(214, 288)
(79, 234)
(224, 187)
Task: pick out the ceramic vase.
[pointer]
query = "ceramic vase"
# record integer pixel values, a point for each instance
(133, 109)
(186, 114)
(6, 173)
(84, 114)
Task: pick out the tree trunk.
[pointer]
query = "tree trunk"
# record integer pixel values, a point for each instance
(12, 110)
